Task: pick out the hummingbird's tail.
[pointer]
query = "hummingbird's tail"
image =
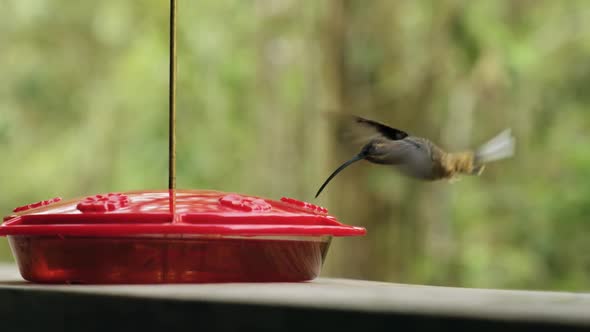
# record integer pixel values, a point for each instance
(499, 147)
(473, 163)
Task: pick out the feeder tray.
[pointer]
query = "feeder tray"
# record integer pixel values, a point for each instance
(179, 236)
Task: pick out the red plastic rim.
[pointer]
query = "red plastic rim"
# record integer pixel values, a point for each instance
(184, 212)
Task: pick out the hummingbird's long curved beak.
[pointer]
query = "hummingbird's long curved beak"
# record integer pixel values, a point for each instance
(356, 158)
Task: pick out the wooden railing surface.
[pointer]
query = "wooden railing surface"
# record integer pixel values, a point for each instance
(327, 304)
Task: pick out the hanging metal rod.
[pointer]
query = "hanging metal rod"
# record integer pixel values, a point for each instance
(172, 100)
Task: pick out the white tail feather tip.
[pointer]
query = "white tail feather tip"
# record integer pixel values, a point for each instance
(500, 147)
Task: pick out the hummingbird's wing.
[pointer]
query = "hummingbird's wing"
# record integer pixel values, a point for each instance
(356, 130)
(388, 132)
(410, 156)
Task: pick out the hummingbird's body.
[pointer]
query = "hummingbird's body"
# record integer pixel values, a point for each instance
(421, 159)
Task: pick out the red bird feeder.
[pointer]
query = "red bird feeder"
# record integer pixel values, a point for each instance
(182, 236)
(171, 236)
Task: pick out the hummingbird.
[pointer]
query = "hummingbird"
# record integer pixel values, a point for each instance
(419, 158)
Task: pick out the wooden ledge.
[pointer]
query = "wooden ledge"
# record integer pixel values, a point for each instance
(328, 303)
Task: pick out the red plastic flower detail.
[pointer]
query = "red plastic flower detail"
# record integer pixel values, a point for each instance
(242, 203)
(103, 203)
(304, 205)
(36, 205)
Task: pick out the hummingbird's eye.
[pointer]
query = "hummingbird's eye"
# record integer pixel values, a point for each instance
(378, 147)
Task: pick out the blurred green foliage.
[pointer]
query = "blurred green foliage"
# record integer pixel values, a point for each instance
(83, 110)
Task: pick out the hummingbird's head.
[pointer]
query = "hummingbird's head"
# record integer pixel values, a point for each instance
(377, 151)
(380, 148)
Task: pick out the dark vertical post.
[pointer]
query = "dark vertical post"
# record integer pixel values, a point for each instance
(172, 100)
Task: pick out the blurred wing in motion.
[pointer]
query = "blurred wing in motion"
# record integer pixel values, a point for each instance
(358, 130)
(386, 131)
(411, 156)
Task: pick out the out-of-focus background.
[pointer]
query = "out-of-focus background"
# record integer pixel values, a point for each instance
(83, 110)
